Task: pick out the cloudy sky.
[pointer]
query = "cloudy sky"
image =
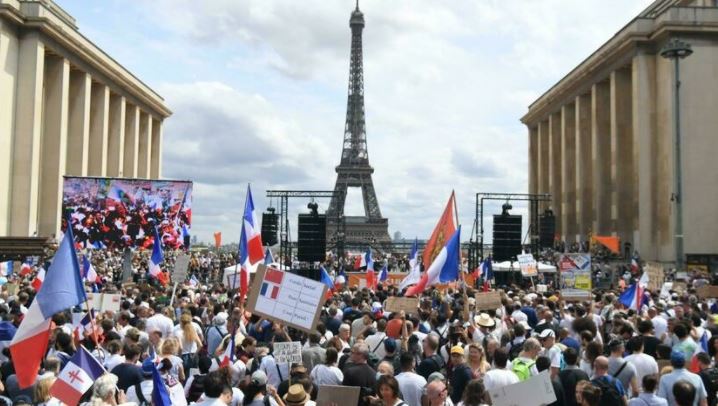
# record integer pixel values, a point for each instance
(258, 89)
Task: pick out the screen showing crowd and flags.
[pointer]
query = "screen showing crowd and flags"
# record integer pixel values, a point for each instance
(117, 213)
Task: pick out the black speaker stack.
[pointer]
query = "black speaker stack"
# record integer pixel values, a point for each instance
(507, 237)
(547, 229)
(312, 241)
(270, 223)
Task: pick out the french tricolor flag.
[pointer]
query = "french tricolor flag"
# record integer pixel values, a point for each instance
(368, 262)
(228, 355)
(88, 271)
(77, 377)
(445, 267)
(635, 296)
(415, 269)
(156, 259)
(25, 269)
(250, 243)
(384, 274)
(6, 268)
(85, 325)
(635, 267)
(39, 278)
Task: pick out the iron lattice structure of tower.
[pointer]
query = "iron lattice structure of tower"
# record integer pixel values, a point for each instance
(354, 169)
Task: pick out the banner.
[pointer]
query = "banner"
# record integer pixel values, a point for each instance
(119, 213)
(410, 305)
(529, 267)
(287, 298)
(655, 276)
(575, 271)
(488, 300)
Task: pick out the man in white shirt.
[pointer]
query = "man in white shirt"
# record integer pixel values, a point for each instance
(276, 373)
(411, 384)
(644, 364)
(376, 341)
(551, 350)
(160, 322)
(660, 324)
(499, 376)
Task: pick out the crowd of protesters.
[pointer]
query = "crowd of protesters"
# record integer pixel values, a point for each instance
(447, 352)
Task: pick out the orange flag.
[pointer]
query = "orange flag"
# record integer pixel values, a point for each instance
(444, 229)
(217, 239)
(612, 243)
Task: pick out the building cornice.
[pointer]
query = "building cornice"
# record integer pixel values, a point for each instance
(38, 15)
(641, 31)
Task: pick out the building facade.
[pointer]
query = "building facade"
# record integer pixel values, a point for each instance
(601, 139)
(66, 108)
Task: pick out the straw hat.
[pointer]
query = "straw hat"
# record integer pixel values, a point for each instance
(296, 395)
(484, 320)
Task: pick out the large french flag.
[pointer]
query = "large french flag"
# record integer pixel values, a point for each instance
(156, 260)
(635, 296)
(250, 243)
(445, 267)
(61, 289)
(77, 377)
(88, 271)
(414, 275)
(369, 263)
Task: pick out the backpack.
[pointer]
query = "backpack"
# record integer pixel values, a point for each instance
(521, 368)
(711, 376)
(515, 351)
(609, 393)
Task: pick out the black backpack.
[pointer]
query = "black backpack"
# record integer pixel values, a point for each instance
(609, 392)
(515, 351)
(197, 388)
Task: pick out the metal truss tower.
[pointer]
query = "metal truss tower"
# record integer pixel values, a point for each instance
(354, 169)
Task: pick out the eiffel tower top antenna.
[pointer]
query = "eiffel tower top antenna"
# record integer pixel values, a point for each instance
(357, 5)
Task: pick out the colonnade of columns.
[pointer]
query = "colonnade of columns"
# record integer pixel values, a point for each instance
(62, 121)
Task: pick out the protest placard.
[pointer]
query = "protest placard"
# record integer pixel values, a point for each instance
(396, 304)
(290, 352)
(655, 276)
(12, 289)
(528, 265)
(707, 292)
(179, 273)
(488, 300)
(329, 395)
(575, 271)
(536, 390)
(679, 287)
(287, 298)
(103, 302)
(575, 295)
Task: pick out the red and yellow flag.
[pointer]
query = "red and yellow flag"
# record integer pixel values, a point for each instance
(444, 229)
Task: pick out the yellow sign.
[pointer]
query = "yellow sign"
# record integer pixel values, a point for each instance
(583, 282)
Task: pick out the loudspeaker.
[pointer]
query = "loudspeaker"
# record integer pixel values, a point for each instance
(312, 241)
(547, 230)
(314, 274)
(270, 222)
(507, 237)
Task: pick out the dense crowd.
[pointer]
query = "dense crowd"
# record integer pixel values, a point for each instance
(446, 352)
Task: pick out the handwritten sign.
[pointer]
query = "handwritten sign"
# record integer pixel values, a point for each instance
(488, 300)
(575, 295)
(528, 265)
(290, 352)
(286, 298)
(655, 276)
(104, 302)
(337, 395)
(536, 390)
(179, 273)
(396, 304)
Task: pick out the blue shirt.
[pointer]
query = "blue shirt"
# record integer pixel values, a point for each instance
(665, 386)
(531, 315)
(263, 336)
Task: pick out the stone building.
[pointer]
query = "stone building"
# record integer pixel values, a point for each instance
(601, 139)
(66, 108)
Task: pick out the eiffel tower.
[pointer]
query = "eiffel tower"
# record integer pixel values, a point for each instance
(354, 169)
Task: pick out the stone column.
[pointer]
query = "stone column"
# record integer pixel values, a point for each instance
(533, 159)
(584, 166)
(601, 156)
(99, 112)
(144, 154)
(132, 131)
(554, 173)
(26, 142)
(622, 168)
(78, 132)
(543, 161)
(9, 47)
(156, 158)
(54, 143)
(116, 136)
(568, 172)
(645, 151)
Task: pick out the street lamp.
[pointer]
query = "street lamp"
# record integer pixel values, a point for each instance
(676, 50)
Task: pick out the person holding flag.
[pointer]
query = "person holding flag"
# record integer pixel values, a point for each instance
(61, 289)
(445, 267)
(250, 245)
(156, 260)
(384, 274)
(368, 262)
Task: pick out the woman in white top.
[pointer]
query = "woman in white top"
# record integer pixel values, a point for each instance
(388, 391)
(328, 373)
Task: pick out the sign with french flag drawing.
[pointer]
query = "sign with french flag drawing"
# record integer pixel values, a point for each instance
(286, 298)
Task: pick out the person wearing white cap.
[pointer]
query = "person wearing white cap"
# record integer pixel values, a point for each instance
(551, 350)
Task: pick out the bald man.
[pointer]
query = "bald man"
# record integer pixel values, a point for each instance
(437, 394)
(606, 382)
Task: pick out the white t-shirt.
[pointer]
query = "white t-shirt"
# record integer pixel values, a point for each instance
(554, 354)
(327, 375)
(411, 386)
(376, 344)
(498, 378)
(660, 325)
(161, 323)
(644, 364)
(274, 375)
